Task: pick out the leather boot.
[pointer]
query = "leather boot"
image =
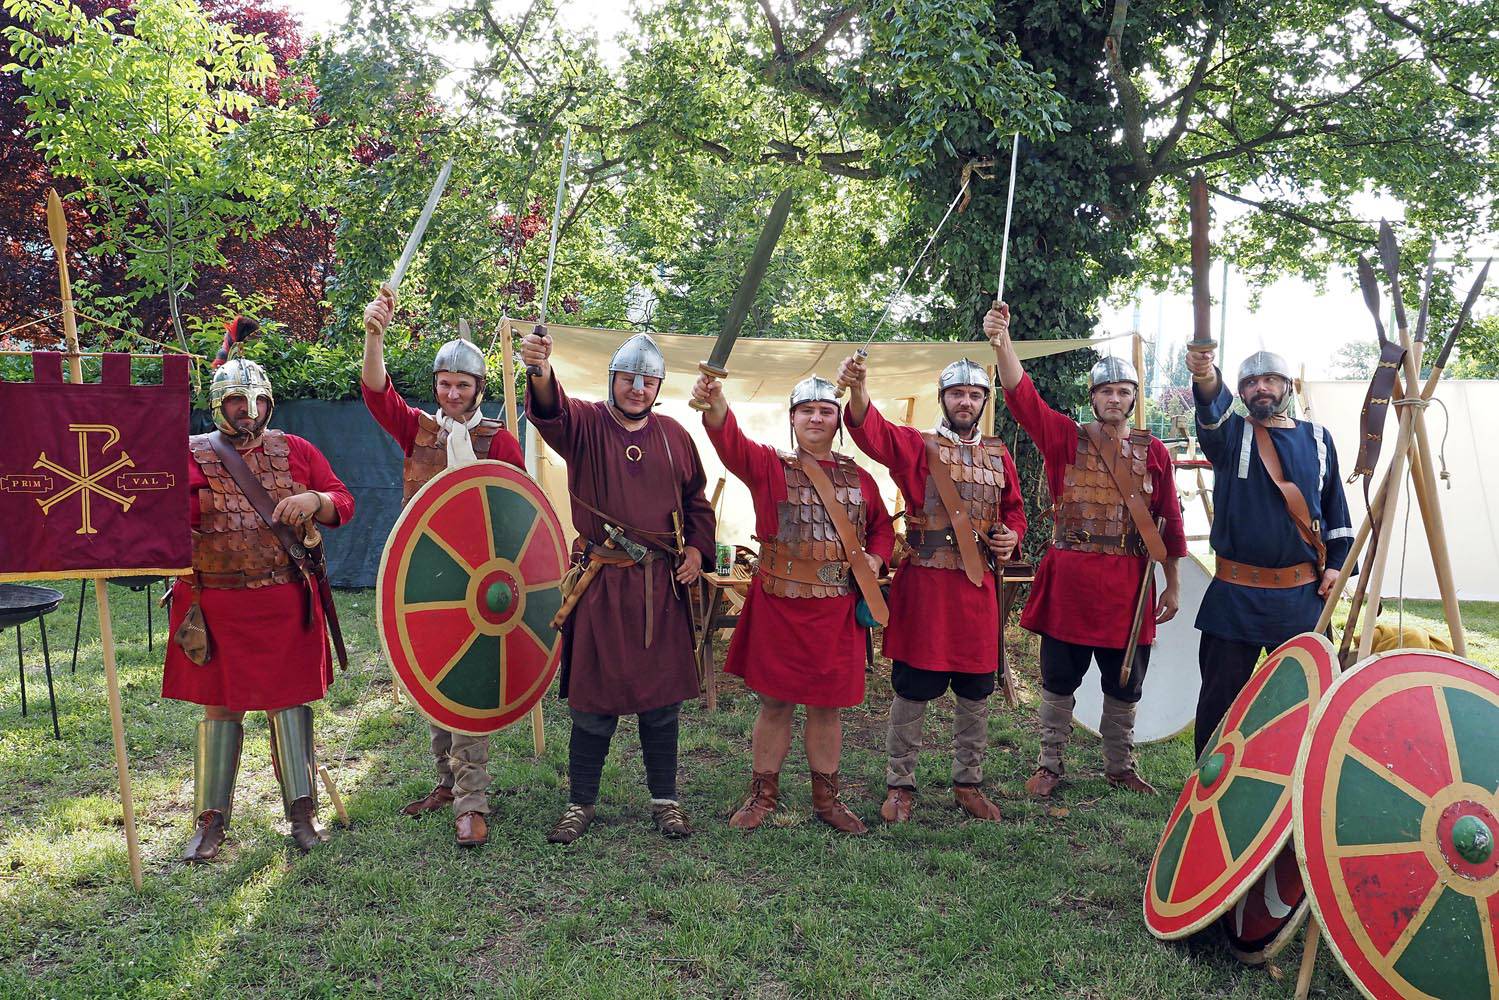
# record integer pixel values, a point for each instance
(574, 822)
(1056, 727)
(473, 831)
(1041, 784)
(972, 800)
(215, 768)
(898, 805)
(671, 820)
(764, 796)
(304, 830)
(439, 797)
(292, 754)
(1117, 728)
(829, 808)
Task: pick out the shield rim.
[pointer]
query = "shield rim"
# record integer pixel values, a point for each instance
(1298, 793)
(545, 509)
(1247, 875)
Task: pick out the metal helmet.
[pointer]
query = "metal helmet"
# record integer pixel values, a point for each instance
(1269, 363)
(461, 357)
(639, 356)
(813, 390)
(1112, 369)
(238, 377)
(963, 372)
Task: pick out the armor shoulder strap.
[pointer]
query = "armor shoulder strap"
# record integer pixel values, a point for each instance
(491, 424)
(275, 444)
(995, 446)
(1140, 437)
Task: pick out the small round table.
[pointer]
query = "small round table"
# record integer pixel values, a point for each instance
(20, 603)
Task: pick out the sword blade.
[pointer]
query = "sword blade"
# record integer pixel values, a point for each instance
(754, 273)
(1462, 317)
(415, 239)
(546, 286)
(1004, 246)
(1370, 287)
(1202, 296)
(1431, 263)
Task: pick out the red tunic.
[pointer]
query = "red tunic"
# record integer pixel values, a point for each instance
(263, 656)
(607, 667)
(938, 620)
(806, 650)
(398, 418)
(1088, 598)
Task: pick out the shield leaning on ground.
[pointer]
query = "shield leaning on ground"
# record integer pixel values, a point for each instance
(469, 581)
(1268, 915)
(1396, 814)
(1234, 813)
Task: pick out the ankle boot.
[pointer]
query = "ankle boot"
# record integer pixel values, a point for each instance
(292, 753)
(829, 808)
(1117, 728)
(764, 796)
(215, 768)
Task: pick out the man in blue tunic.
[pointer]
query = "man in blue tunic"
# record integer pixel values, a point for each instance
(1281, 531)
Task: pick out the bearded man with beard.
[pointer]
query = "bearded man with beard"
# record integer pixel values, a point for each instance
(1281, 528)
(944, 628)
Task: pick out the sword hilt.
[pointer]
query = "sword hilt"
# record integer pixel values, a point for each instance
(711, 370)
(842, 385)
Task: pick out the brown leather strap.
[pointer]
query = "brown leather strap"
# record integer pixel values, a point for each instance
(864, 575)
(1282, 578)
(1128, 545)
(1376, 405)
(814, 572)
(239, 579)
(1155, 545)
(966, 536)
(1295, 502)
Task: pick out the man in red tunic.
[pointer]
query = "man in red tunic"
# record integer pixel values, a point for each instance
(642, 519)
(805, 587)
(265, 648)
(457, 434)
(1110, 484)
(944, 626)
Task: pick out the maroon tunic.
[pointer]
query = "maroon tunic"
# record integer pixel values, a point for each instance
(263, 656)
(1088, 598)
(807, 650)
(398, 418)
(938, 620)
(634, 477)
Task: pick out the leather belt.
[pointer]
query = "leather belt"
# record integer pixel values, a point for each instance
(1131, 544)
(1283, 578)
(927, 542)
(240, 580)
(618, 559)
(814, 572)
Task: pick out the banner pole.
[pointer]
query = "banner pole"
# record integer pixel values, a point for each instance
(117, 727)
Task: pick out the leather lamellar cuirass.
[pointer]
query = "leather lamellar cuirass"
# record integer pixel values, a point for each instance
(1090, 515)
(806, 557)
(978, 472)
(232, 547)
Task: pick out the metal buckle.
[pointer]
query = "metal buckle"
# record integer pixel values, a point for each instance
(1076, 537)
(832, 574)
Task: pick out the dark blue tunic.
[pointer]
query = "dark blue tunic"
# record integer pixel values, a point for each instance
(1251, 524)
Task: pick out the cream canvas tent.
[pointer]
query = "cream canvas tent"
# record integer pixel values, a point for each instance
(902, 382)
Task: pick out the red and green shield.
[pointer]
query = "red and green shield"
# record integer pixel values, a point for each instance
(1269, 913)
(468, 585)
(1234, 814)
(1397, 812)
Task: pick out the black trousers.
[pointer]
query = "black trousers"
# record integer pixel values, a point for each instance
(914, 684)
(1225, 666)
(589, 745)
(1065, 664)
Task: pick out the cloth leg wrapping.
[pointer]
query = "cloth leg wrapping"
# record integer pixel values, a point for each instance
(291, 744)
(216, 765)
(469, 762)
(658, 746)
(1117, 728)
(970, 739)
(442, 748)
(1056, 727)
(904, 742)
(587, 748)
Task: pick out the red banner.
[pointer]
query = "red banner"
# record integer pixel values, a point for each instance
(93, 477)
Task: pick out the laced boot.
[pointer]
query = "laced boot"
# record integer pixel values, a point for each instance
(215, 768)
(671, 820)
(208, 837)
(829, 808)
(574, 822)
(972, 800)
(764, 796)
(898, 805)
(305, 832)
(1041, 784)
(472, 830)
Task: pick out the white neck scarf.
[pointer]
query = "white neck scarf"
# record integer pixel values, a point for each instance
(460, 444)
(944, 430)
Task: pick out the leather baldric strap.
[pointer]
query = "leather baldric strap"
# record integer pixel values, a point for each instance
(1263, 577)
(1376, 405)
(869, 584)
(310, 563)
(966, 537)
(1155, 545)
(1296, 506)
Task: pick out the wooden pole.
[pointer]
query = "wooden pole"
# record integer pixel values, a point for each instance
(1139, 342)
(338, 800)
(512, 421)
(1308, 958)
(57, 228)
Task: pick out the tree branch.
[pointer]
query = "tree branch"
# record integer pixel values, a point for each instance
(777, 38)
(1129, 95)
(1183, 166)
(1189, 93)
(835, 24)
(1297, 217)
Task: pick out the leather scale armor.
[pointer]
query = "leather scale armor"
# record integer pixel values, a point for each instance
(978, 472)
(806, 557)
(232, 547)
(429, 453)
(1090, 515)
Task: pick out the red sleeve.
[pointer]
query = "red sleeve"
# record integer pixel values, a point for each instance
(879, 529)
(320, 477)
(1164, 502)
(394, 415)
(1055, 433)
(748, 460)
(899, 449)
(503, 447)
(1011, 505)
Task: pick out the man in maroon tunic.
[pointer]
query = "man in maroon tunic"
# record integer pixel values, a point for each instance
(265, 648)
(944, 626)
(1087, 586)
(457, 434)
(804, 587)
(628, 643)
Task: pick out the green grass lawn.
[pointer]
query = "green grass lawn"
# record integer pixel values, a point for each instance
(1044, 904)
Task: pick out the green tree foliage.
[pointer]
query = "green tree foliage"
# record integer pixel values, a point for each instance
(1477, 353)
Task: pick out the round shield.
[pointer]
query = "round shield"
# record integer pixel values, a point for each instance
(1397, 812)
(468, 585)
(1234, 813)
(1269, 913)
